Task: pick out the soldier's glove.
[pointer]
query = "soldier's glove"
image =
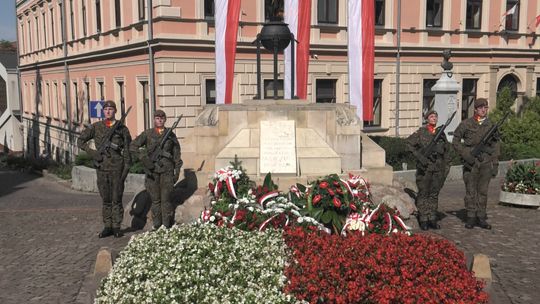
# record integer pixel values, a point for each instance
(495, 170)
(489, 150)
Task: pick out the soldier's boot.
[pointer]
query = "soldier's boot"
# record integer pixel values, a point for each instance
(118, 233)
(107, 231)
(482, 223)
(424, 226)
(434, 225)
(471, 221)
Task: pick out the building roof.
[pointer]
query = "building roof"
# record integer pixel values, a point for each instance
(8, 60)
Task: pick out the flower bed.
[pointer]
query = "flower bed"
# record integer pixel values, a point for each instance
(199, 264)
(523, 178)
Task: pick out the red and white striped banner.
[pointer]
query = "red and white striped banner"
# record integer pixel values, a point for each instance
(227, 16)
(361, 51)
(298, 17)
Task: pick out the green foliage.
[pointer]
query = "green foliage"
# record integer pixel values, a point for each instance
(63, 171)
(505, 100)
(523, 178)
(396, 151)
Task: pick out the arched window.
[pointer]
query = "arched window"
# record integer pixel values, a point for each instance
(509, 81)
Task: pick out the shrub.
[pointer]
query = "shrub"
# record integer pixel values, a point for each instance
(378, 269)
(397, 152)
(523, 178)
(63, 171)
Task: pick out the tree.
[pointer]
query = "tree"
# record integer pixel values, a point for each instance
(6, 45)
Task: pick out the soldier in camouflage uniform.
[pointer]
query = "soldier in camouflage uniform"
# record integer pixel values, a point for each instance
(477, 172)
(163, 173)
(431, 170)
(112, 170)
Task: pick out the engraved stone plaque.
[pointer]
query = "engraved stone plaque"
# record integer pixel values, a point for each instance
(277, 146)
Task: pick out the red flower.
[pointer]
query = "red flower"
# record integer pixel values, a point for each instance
(211, 187)
(352, 206)
(316, 199)
(331, 192)
(323, 185)
(337, 202)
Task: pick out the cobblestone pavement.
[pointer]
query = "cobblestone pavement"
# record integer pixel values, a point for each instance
(48, 239)
(512, 245)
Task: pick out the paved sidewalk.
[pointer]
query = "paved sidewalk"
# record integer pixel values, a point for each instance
(48, 240)
(512, 245)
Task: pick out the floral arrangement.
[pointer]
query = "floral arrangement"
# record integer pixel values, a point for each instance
(199, 264)
(378, 269)
(522, 178)
(331, 203)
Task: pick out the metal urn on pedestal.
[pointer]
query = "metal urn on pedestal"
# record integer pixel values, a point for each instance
(275, 36)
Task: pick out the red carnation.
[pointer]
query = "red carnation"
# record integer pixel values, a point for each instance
(316, 199)
(331, 192)
(337, 202)
(352, 206)
(323, 185)
(211, 187)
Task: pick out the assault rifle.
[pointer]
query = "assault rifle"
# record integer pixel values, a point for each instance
(491, 135)
(157, 153)
(107, 144)
(428, 152)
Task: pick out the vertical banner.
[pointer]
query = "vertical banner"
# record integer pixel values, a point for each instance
(298, 17)
(361, 52)
(226, 18)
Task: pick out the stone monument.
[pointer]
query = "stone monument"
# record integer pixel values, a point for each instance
(446, 101)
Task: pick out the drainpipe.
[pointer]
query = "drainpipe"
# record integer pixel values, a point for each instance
(151, 58)
(66, 77)
(398, 64)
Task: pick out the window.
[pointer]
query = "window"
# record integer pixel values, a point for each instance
(87, 87)
(538, 87)
(146, 104)
(3, 96)
(98, 16)
(428, 100)
(273, 10)
(72, 19)
(52, 27)
(327, 11)
(45, 33)
(379, 12)
(120, 87)
(210, 89)
(377, 100)
(76, 99)
(474, 14)
(29, 36)
(512, 17)
(83, 10)
(434, 13)
(101, 90)
(141, 9)
(467, 97)
(269, 88)
(117, 13)
(37, 32)
(325, 90)
(23, 48)
(209, 9)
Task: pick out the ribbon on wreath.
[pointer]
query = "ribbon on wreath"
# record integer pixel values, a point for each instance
(230, 186)
(267, 196)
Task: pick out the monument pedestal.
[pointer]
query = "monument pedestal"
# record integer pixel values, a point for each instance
(327, 139)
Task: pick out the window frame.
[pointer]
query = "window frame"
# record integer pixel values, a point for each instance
(382, 13)
(465, 95)
(325, 18)
(270, 81)
(469, 18)
(425, 96)
(377, 111)
(206, 8)
(514, 17)
(433, 25)
(207, 91)
(318, 85)
(98, 16)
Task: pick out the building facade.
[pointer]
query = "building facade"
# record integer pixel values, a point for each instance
(11, 133)
(76, 51)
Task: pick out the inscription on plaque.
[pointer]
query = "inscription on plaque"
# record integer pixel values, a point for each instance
(277, 146)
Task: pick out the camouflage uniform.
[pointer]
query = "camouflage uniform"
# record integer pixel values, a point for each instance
(477, 173)
(431, 173)
(112, 171)
(162, 175)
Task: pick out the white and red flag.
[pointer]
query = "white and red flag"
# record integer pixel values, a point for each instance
(510, 11)
(537, 21)
(361, 51)
(226, 18)
(298, 17)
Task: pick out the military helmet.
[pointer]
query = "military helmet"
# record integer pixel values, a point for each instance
(431, 112)
(480, 102)
(160, 113)
(109, 103)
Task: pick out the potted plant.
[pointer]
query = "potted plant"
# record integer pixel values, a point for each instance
(522, 184)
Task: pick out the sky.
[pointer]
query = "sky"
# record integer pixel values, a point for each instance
(7, 20)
